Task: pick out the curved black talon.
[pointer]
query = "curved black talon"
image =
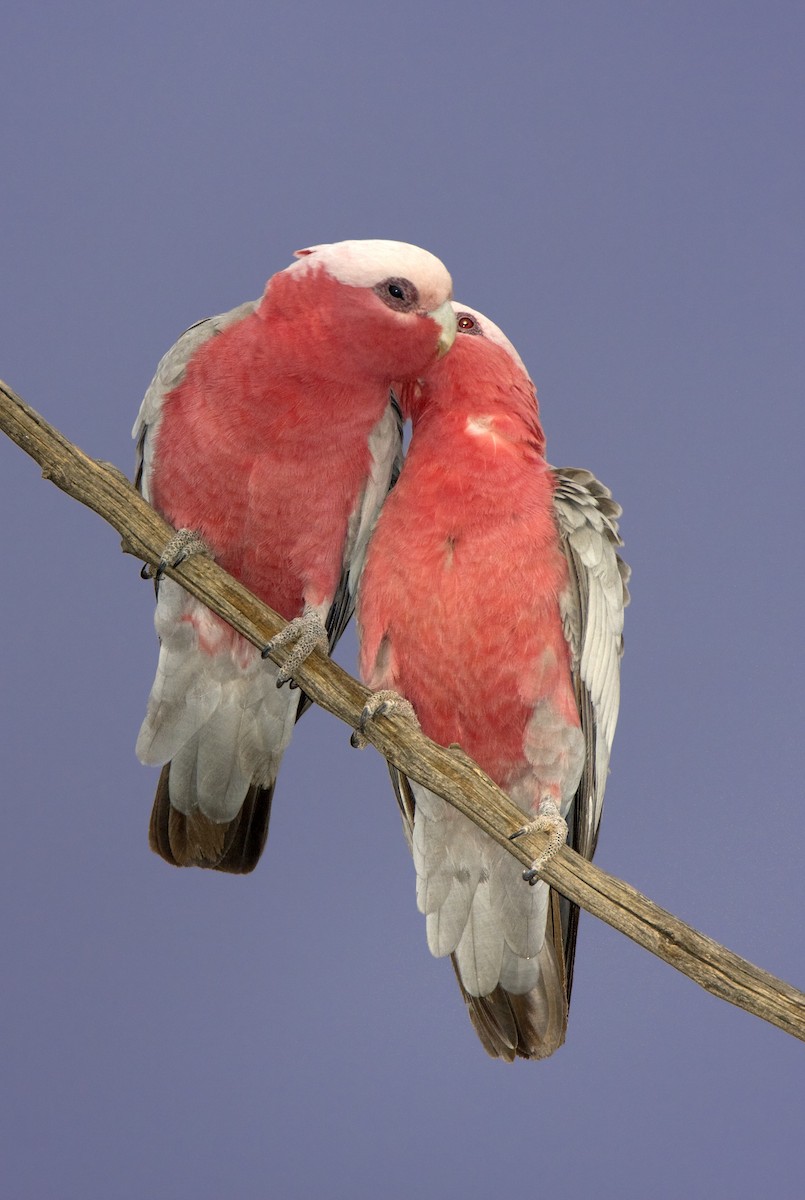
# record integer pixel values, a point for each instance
(176, 561)
(283, 679)
(358, 738)
(381, 704)
(382, 710)
(146, 571)
(181, 545)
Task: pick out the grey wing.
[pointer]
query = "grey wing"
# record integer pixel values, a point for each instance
(169, 374)
(385, 447)
(592, 613)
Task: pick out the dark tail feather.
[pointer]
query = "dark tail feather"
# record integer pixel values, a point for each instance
(196, 841)
(570, 929)
(509, 1027)
(529, 1026)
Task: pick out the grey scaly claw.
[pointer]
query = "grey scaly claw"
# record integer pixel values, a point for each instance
(548, 820)
(181, 545)
(381, 704)
(305, 634)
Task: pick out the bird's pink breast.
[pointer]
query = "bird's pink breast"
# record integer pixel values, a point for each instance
(475, 638)
(459, 607)
(265, 463)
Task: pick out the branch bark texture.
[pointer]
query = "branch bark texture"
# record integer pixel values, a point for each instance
(105, 489)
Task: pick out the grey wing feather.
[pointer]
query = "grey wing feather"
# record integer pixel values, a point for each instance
(169, 374)
(592, 612)
(385, 446)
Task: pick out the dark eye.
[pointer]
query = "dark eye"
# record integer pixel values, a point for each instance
(467, 324)
(399, 294)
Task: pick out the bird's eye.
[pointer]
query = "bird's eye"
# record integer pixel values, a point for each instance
(467, 324)
(399, 294)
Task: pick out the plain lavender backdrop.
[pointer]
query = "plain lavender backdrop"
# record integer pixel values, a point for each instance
(621, 187)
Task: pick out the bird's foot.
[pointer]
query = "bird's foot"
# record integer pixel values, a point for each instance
(548, 820)
(181, 545)
(378, 705)
(305, 634)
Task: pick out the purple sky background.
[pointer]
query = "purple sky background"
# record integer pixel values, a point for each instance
(621, 187)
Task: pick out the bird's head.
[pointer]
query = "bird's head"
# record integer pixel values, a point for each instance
(483, 374)
(373, 307)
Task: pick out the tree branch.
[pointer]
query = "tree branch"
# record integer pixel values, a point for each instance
(105, 489)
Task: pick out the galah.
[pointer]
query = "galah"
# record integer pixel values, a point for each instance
(268, 438)
(491, 608)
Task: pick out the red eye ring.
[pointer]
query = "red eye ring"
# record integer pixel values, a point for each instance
(464, 322)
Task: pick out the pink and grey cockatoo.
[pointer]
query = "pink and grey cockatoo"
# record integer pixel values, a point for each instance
(269, 432)
(492, 600)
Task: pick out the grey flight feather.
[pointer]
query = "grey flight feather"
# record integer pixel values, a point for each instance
(592, 613)
(385, 448)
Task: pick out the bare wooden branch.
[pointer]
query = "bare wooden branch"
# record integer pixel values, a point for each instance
(105, 489)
